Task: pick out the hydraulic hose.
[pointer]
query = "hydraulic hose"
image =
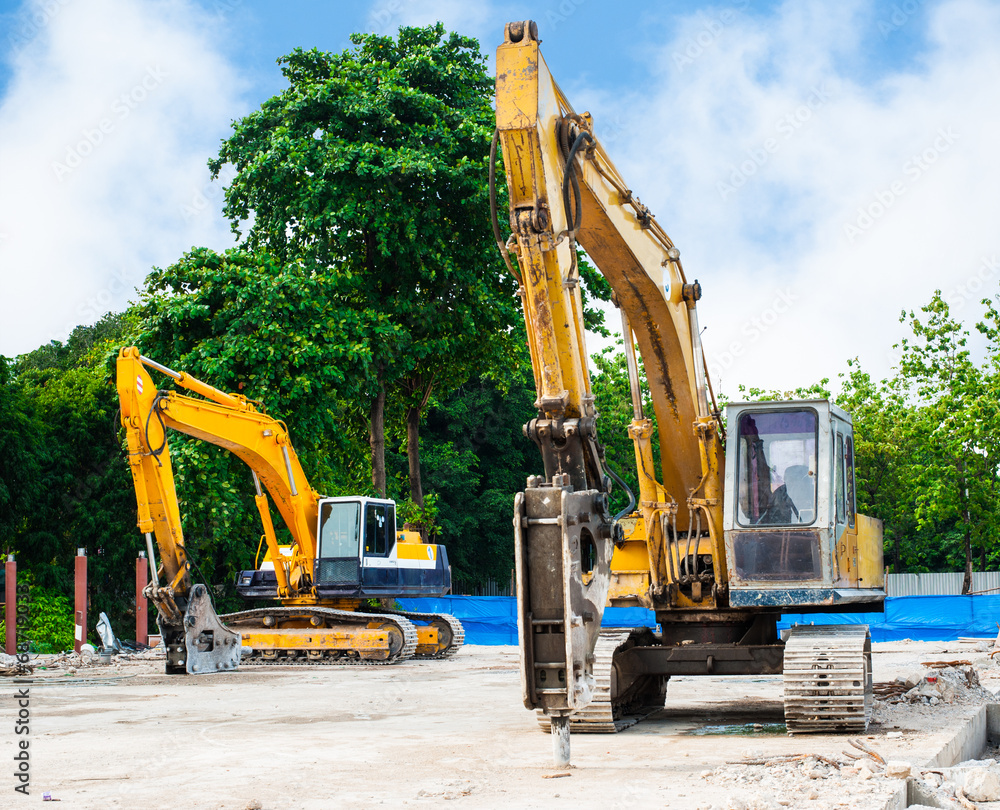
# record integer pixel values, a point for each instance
(631, 495)
(569, 176)
(493, 206)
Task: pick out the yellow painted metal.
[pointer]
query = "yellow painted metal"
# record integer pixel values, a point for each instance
(305, 638)
(526, 117)
(279, 561)
(416, 551)
(871, 564)
(229, 421)
(636, 257)
(858, 558)
(428, 641)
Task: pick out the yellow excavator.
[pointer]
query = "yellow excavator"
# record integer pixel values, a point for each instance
(344, 552)
(730, 532)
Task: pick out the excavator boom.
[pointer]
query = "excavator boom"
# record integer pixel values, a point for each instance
(716, 551)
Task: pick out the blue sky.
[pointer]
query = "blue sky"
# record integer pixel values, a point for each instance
(821, 165)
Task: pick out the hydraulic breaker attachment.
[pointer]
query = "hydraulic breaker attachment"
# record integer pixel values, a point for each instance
(199, 643)
(563, 545)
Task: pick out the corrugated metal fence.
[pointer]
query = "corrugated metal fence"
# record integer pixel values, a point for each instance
(948, 584)
(488, 588)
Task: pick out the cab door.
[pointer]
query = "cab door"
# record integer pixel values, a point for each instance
(845, 529)
(339, 556)
(379, 570)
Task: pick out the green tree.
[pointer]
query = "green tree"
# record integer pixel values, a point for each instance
(954, 427)
(476, 458)
(278, 333)
(22, 454)
(373, 163)
(884, 447)
(83, 494)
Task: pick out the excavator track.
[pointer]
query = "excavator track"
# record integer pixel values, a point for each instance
(611, 711)
(253, 620)
(828, 679)
(446, 624)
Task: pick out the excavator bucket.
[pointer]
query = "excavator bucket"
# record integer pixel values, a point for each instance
(200, 643)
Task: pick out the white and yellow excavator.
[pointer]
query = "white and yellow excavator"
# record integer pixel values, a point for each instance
(730, 531)
(344, 552)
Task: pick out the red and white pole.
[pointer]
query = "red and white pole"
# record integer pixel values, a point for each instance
(141, 614)
(80, 631)
(10, 606)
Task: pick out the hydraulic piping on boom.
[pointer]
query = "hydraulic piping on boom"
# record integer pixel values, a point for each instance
(731, 530)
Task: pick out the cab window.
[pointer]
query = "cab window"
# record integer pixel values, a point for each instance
(849, 470)
(380, 529)
(777, 468)
(338, 530)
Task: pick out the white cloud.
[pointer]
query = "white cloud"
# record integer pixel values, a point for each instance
(814, 204)
(112, 110)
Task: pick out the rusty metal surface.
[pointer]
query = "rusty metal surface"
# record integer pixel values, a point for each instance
(563, 550)
(621, 699)
(828, 679)
(704, 659)
(364, 628)
(200, 643)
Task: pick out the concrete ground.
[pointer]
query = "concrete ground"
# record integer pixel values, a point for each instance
(421, 733)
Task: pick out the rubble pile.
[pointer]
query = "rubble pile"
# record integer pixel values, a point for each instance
(860, 779)
(963, 785)
(11, 666)
(937, 684)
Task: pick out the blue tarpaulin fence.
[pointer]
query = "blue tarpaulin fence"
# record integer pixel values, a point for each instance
(492, 620)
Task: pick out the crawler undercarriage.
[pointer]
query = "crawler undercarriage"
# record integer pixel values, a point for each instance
(827, 676)
(313, 633)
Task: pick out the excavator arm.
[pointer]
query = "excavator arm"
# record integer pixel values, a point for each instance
(564, 190)
(229, 421)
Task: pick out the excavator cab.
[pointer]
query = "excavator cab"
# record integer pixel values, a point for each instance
(792, 533)
(360, 553)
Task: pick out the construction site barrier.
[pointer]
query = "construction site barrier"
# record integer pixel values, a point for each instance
(492, 620)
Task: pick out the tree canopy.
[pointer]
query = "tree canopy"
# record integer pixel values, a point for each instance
(372, 166)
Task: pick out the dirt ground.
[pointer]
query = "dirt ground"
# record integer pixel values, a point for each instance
(422, 733)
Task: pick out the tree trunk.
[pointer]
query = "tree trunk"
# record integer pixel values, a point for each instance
(413, 455)
(376, 438)
(414, 386)
(895, 552)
